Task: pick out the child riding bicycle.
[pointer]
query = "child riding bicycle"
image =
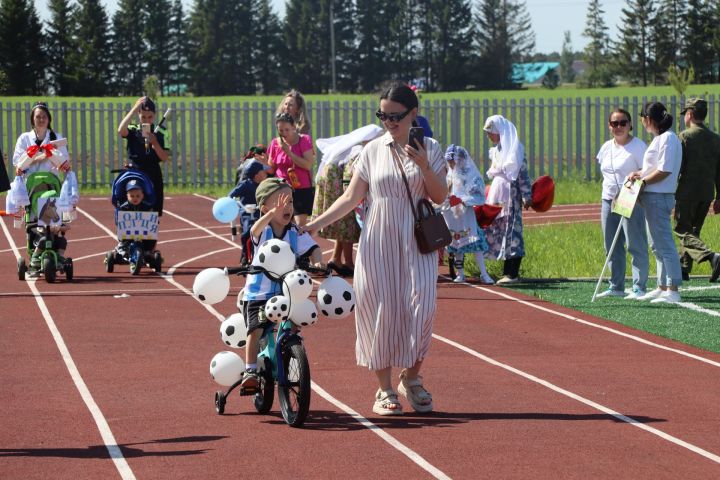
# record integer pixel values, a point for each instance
(274, 199)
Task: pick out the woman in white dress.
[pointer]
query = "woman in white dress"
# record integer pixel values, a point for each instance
(395, 284)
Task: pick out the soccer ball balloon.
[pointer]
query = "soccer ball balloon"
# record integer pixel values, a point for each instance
(303, 313)
(277, 308)
(233, 331)
(211, 286)
(226, 368)
(276, 257)
(297, 285)
(335, 298)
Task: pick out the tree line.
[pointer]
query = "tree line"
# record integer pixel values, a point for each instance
(654, 35)
(243, 47)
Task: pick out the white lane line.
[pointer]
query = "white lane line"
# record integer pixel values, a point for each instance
(665, 436)
(698, 308)
(595, 325)
(163, 242)
(111, 445)
(73, 293)
(407, 451)
(695, 289)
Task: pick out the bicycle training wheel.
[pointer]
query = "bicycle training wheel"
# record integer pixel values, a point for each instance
(295, 394)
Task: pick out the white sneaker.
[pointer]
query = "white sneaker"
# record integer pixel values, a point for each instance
(636, 294)
(610, 293)
(651, 295)
(668, 296)
(504, 280)
(460, 278)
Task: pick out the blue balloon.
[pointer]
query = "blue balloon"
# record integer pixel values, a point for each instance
(225, 209)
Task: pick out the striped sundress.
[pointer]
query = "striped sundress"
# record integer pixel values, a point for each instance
(395, 284)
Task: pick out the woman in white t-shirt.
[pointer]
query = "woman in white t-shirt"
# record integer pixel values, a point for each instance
(659, 173)
(618, 158)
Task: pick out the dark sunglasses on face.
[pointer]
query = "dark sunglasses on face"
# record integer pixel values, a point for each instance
(619, 123)
(391, 117)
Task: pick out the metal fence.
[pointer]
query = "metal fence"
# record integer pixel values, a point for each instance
(208, 139)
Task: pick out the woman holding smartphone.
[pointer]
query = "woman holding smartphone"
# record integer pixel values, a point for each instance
(145, 149)
(395, 284)
(291, 154)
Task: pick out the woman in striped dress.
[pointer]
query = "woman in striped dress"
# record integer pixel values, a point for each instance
(395, 284)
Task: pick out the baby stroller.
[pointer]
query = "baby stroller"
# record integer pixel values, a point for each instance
(138, 248)
(45, 230)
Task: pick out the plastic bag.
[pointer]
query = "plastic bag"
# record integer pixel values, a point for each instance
(69, 193)
(19, 192)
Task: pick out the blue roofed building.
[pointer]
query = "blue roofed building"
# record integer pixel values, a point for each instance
(525, 73)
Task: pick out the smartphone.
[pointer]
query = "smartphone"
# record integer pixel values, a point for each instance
(145, 129)
(417, 134)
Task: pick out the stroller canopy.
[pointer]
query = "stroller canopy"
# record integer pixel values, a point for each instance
(39, 183)
(119, 195)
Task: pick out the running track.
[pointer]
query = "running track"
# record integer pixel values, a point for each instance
(107, 377)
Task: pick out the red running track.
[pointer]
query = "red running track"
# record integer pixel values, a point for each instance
(523, 388)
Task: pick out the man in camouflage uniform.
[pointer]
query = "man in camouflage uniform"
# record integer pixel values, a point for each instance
(698, 187)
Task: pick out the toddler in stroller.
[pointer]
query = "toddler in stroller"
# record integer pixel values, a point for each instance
(132, 191)
(46, 242)
(253, 173)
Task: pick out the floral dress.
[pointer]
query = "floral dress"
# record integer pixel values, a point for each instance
(505, 234)
(329, 187)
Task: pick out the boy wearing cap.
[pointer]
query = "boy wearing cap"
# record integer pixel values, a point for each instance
(253, 173)
(274, 199)
(698, 187)
(145, 149)
(135, 203)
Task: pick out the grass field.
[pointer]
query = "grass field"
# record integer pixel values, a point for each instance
(670, 321)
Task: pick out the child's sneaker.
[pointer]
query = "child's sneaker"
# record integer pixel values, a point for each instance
(610, 293)
(250, 380)
(486, 279)
(460, 278)
(636, 293)
(651, 295)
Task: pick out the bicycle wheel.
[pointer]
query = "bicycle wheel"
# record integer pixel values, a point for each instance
(295, 394)
(264, 397)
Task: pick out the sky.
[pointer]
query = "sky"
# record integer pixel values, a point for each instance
(550, 18)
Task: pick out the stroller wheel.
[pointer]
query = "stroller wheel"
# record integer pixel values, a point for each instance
(157, 262)
(22, 268)
(49, 269)
(68, 268)
(109, 261)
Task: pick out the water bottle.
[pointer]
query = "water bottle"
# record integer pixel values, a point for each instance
(69, 216)
(293, 178)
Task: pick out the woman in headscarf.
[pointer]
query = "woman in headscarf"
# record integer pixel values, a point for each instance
(338, 152)
(467, 189)
(511, 189)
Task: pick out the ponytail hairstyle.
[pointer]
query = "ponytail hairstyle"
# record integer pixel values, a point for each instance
(42, 106)
(658, 115)
(623, 112)
(403, 94)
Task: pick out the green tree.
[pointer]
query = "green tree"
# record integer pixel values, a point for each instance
(634, 52)
(567, 57)
(267, 49)
(446, 34)
(93, 48)
(504, 36)
(177, 77)
(698, 50)
(371, 49)
(156, 32)
(128, 48)
(22, 57)
(598, 71)
(61, 47)
(206, 32)
(669, 34)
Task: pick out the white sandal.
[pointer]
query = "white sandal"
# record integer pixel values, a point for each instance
(387, 403)
(419, 398)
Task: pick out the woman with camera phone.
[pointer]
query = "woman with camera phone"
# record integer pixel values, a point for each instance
(145, 148)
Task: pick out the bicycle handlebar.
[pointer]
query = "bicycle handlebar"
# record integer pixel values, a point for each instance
(254, 269)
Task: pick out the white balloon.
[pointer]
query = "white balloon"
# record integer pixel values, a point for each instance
(297, 285)
(211, 286)
(233, 331)
(276, 257)
(335, 298)
(277, 308)
(226, 368)
(303, 313)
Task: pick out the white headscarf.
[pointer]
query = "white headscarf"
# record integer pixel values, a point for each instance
(510, 152)
(336, 150)
(465, 179)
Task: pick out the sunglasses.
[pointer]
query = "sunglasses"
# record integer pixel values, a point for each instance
(619, 123)
(391, 117)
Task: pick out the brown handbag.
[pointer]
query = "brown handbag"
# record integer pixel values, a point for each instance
(431, 231)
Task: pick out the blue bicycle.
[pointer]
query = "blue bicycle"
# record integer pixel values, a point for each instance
(283, 360)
